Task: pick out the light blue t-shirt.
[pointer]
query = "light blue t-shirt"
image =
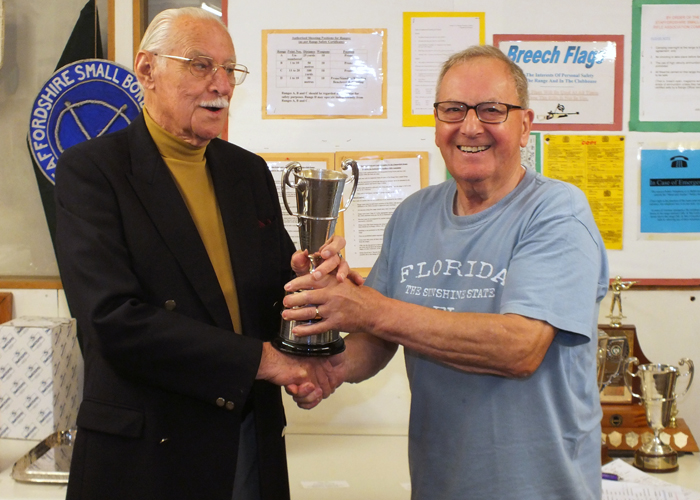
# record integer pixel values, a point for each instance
(537, 253)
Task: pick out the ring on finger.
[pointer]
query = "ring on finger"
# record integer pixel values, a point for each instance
(318, 314)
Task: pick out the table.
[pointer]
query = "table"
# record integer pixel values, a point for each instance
(342, 467)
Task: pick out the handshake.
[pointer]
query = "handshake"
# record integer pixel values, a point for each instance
(309, 380)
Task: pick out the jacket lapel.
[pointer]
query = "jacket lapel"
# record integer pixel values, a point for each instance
(161, 198)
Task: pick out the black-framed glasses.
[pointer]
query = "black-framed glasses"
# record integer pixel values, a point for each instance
(486, 112)
(204, 66)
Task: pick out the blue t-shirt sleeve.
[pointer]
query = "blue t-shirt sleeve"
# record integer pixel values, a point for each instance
(555, 271)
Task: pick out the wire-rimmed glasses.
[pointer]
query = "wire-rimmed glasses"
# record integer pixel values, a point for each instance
(204, 66)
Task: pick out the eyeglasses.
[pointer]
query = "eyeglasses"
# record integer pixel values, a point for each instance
(203, 67)
(486, 112)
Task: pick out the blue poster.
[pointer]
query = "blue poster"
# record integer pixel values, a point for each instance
(670, 191)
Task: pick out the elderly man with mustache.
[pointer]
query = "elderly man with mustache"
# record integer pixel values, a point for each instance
(173, 257)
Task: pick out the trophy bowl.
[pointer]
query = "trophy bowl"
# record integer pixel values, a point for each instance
(319, 194)
(657, 383)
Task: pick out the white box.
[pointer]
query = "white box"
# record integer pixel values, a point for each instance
(41, 377)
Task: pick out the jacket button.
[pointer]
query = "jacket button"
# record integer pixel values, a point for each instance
(220, 402)
(170, 305)
(229, 405)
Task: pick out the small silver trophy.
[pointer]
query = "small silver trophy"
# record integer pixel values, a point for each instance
(657, 384)
(319, 193)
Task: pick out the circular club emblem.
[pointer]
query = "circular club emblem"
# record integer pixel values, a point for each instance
(82, 100)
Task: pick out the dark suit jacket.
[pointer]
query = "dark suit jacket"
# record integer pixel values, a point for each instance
(166, 378)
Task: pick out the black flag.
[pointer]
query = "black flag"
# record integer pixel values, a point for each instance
(84, 43)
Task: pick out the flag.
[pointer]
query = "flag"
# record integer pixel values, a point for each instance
(84, 43)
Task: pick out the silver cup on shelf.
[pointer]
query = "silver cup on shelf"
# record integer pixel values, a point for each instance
(657, 393)
(319, 194)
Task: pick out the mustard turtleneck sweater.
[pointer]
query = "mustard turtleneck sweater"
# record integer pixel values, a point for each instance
(187, 165)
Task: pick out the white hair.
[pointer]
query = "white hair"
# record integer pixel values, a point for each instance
(159, 36)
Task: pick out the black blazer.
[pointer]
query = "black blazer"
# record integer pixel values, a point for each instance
(166, 378)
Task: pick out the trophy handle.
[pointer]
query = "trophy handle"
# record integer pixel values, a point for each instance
(355, 177)
(689, 374)
(628, 374)
(295, 166)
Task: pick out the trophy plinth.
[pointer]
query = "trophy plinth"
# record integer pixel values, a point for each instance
(656, 457)
(657, 393)
(319, 194)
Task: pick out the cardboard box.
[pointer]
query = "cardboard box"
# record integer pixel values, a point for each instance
(41, 377)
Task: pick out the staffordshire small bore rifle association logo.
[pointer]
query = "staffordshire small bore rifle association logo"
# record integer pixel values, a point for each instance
(81, 101)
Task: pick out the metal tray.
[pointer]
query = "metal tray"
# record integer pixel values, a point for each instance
(47, 462)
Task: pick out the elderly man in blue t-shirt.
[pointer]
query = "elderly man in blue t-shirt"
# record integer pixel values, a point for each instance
(492, 283)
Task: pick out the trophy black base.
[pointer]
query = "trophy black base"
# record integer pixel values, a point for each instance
(329, 349)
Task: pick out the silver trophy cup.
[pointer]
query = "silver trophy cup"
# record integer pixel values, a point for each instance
(657, 393)
(319, 193)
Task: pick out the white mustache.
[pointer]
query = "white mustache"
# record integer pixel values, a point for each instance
(219, 102)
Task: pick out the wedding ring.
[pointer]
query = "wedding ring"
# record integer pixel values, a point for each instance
(318, 314)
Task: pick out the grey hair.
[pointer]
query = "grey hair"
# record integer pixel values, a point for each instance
(489, 52)
(159, 36)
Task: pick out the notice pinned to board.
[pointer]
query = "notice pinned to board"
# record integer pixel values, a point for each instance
(324, 73)
(665, 66)
(670, 190)
(595, 164)
(386, 179)
(429, 39)
(575, 81)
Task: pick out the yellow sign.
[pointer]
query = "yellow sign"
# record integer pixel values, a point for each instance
(595, 164)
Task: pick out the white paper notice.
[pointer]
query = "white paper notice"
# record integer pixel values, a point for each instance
(316, 74)
(290, 221)
(570, 82)
(621, 490)
(669, 67)
(382, 185)
(433, 41)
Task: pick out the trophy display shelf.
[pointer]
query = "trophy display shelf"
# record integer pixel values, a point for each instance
(624, 423)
